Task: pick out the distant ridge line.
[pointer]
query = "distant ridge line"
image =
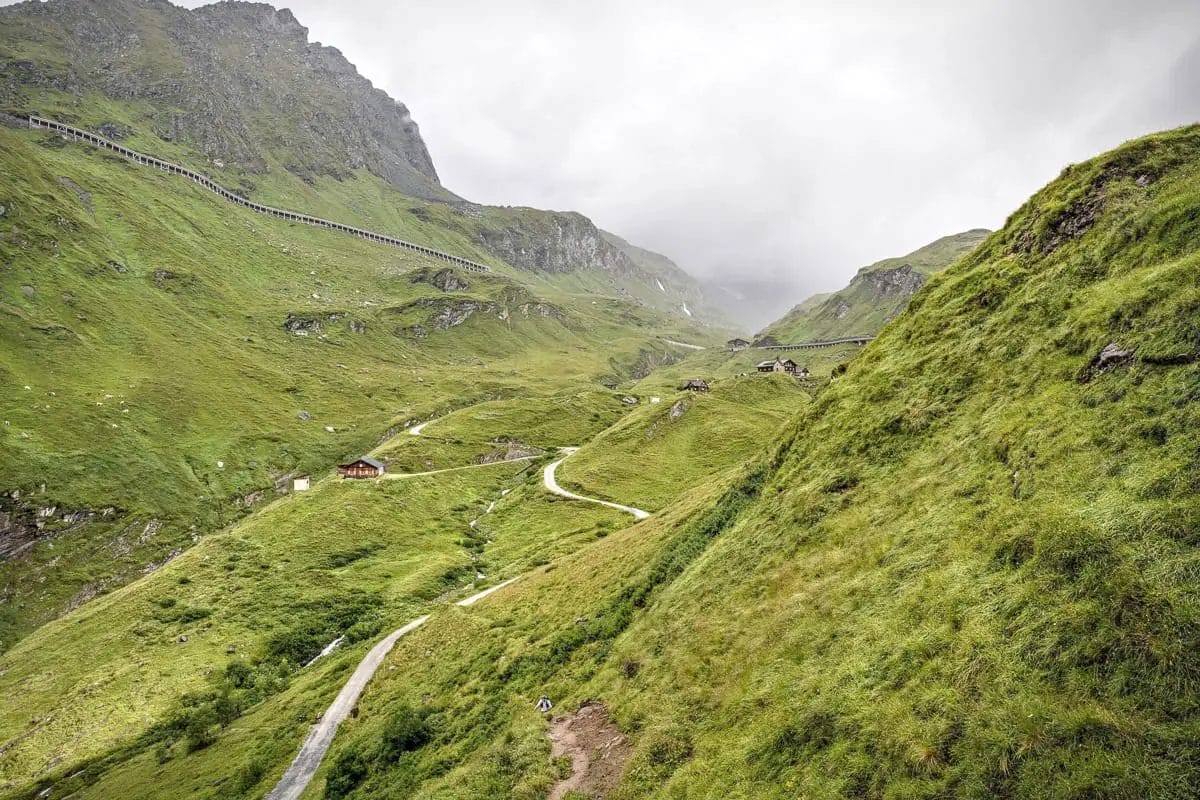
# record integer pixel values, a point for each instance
(141, 158)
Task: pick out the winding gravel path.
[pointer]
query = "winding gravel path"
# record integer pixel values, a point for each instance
(295, 780)
(552, 485)
(297, 777)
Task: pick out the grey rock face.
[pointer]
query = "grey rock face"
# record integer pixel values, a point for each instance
(553, 242)
(216, 76)
(902, 280)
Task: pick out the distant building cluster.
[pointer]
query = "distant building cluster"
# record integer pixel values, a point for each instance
(785, 365)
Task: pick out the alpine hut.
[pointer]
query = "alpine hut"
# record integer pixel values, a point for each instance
(364, 467)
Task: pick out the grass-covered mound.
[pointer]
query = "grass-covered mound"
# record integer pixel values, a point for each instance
(665, 448)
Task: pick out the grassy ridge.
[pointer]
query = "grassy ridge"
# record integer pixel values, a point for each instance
(868, 304)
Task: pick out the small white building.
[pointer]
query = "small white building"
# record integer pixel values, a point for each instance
(301, 483)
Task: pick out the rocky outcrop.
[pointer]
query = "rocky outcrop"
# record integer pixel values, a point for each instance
(305, 324)
(447, 313)
(547, 241)
(902, 281)
(216, 76)
(445, 279)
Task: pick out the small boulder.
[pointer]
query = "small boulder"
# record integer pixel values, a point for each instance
(1113, 356)
(629, 400)
(117, 265)
(305, 416)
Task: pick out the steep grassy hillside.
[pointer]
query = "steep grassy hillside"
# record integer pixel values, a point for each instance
(876, 294)
(171, 359)
(968, 570)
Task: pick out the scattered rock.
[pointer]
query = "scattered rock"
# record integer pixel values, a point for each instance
(1143, 180)
(448, 281)
(29, 291)
(629, 400)
(305, 416)
(358, 326)
(118, 266)
(678, 410)
(182, 639)
(301, 326)
(162, 276)
(329, 429)
(85, 197)
(3, 210)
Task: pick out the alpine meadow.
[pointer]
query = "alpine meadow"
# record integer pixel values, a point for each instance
(320, 480)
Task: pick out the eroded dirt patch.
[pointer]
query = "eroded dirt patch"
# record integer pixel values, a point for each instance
(597, 749)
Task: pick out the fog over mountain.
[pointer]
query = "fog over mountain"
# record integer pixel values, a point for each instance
(774, 147)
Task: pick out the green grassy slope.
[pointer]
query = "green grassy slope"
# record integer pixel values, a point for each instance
(147, 319)
(968, 570)
(661, 450)
(876, 294)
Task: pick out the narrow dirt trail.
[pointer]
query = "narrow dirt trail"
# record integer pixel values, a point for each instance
(552, 486)
(415, 430)
(392, 476)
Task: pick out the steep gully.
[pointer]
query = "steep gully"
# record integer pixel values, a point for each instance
(302, 769)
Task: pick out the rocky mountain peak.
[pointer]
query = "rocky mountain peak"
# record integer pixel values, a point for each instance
(240, 82)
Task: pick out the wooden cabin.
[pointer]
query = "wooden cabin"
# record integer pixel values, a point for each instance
(695, 385)
(364, 467)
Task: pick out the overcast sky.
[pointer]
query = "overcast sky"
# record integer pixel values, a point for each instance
(772, 144)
